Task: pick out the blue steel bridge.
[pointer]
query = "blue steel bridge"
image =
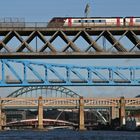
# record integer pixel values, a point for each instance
(15, 73)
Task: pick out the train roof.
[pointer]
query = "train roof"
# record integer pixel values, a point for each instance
(94, 17)
(131, 17)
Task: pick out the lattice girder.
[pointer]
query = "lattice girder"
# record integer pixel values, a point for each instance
(70, 49)
(43, 74)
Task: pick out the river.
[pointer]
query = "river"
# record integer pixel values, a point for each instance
(68, 135)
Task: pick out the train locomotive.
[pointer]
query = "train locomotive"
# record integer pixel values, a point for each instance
(93, 21)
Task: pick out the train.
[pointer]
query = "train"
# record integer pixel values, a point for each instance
(93, 21)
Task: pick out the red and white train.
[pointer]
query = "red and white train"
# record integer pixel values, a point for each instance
(93, 21)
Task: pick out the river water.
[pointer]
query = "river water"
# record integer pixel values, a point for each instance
(68, 135)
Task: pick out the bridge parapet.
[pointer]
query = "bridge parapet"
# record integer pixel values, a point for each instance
(135, 102)
(101, 102)
(68, 102)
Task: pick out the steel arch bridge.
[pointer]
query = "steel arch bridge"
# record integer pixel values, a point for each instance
(17, 73)
(43, 91)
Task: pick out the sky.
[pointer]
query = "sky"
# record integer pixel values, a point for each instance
(44, 10)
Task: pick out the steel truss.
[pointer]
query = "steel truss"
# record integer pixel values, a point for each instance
(30, 73)
(70, 48)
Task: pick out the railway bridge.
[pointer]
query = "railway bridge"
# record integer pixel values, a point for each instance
(37, 40)
(80, 103)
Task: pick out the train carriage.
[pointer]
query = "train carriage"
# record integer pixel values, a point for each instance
(132, 21)
(98, 21)
(93, 21)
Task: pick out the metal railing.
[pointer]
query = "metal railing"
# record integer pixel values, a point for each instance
(54, 25)
(23, 24)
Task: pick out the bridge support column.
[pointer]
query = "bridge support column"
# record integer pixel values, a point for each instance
(113, 113)
(81, 114)
(40, 113)
(0, 115)
(122, 111)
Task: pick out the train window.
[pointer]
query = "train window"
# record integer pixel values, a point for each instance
(137, 20)
(96, 21)
(79, 20)
(54, 20)
(76, 21)
(103, 21)
(89, 21)
(82, 21)
(99, 21)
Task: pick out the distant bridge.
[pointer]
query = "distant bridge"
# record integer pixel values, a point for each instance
(71, 103)
(34, 123)
(44, 91)
(52, 92)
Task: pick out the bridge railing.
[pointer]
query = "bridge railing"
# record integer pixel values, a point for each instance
(68, 102)
(23, 24)
(52, 25)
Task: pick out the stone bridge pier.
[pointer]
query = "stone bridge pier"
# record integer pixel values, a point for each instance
(81, 114)
(122, 114)
(0, 115)
(40, 113)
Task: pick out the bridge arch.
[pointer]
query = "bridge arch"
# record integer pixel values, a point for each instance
(44, 91)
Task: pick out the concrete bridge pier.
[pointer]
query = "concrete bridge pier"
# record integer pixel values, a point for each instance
(81, 114)
(40, 113)
(112, 114)
(122, 111)
(0, 115)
